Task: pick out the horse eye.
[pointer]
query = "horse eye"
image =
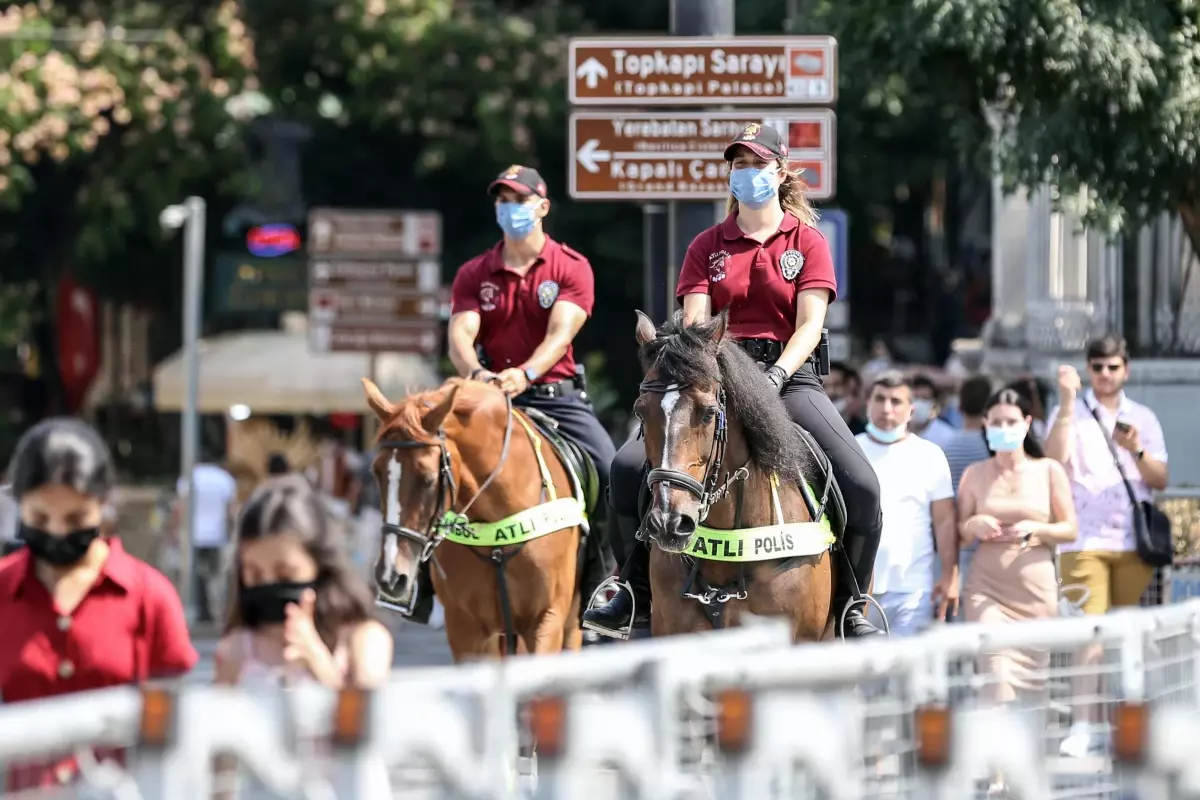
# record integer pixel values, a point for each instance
(710, 414)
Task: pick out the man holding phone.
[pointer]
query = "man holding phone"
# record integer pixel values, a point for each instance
(1104, 557)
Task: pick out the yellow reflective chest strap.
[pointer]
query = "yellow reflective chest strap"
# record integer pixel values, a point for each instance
(524, 526)
(765, 543)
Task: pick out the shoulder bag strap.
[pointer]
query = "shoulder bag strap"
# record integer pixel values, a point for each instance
(1112, 448)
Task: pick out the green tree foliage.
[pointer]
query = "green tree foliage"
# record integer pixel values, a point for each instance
(99, 130)
(1103, 96)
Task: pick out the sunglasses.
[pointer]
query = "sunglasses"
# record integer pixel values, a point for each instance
(1100, 368)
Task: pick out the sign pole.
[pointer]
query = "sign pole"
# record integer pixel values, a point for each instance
(688, 219)
(656, 260)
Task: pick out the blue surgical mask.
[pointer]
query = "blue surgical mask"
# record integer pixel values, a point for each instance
(1007, 439)
(886, 437)
(517, 220)
(753, 188)
(922, 410)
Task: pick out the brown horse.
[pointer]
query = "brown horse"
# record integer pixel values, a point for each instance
(731, 510)
(453, 462)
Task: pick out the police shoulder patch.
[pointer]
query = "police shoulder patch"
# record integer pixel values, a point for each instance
(790, 264)
(547, 293)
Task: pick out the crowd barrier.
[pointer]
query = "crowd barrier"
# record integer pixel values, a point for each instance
(961, 712)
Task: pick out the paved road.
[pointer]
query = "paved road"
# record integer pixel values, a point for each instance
(416, 646)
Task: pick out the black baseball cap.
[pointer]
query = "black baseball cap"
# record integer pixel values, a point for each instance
(523, 180)
(762, 140)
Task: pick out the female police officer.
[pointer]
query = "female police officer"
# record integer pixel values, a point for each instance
(521, 304)
(771, 269)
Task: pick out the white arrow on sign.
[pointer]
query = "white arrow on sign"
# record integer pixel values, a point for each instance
(590, 156)
(591, 71)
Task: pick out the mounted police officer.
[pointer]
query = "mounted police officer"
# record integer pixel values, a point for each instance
(771, 269)
(516, 310)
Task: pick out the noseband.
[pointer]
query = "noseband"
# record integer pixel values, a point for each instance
(447, 490)
(708, 492)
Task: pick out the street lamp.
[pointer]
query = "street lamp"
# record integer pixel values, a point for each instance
(190, 213)
(998, 114)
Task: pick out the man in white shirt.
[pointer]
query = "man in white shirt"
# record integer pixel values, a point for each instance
(213, 504)
(917, 499)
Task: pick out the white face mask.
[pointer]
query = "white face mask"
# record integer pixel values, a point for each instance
(840, 404)
(922, 410)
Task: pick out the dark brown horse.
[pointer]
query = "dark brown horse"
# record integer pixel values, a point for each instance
(453, 463)
(732, 526)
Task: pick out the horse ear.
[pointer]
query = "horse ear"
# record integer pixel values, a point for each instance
(645, 331)
(434, 418)
(720, 326)
(382, 407)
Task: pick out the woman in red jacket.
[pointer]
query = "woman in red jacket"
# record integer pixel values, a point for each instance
(76, 611)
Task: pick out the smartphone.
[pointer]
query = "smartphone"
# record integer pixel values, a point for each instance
(1123, 427)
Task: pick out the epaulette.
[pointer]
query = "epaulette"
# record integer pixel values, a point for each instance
(575, 254)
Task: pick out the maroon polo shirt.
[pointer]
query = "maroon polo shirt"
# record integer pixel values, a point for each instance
(128, 628)
(758, 283)
(514, 310)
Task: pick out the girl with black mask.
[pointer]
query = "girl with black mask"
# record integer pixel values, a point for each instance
(299, 612)
(76, 611)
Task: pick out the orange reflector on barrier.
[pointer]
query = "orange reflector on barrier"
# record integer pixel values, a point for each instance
(351, 716)
(158, 717)
(931, 724)
(1130, 730)
(735, 718)
(548, 724)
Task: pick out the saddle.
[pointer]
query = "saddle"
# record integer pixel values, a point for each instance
(585, 481)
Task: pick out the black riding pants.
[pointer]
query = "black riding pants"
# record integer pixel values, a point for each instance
(811, 408)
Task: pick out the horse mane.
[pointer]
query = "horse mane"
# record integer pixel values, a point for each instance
(408, 419)
(686, 354)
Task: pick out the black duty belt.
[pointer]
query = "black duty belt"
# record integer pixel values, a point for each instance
(555, 389)
(767, 351)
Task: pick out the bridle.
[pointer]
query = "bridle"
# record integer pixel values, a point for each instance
(447, 490)
(709, 491)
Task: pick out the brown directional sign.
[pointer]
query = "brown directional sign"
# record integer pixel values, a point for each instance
(698, 71)
(374, 280)
(630, 155)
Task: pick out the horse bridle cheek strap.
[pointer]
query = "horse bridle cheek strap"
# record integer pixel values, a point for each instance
(707, 492)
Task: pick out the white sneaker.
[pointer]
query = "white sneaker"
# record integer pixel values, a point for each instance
(437, 617)
(1084, 739)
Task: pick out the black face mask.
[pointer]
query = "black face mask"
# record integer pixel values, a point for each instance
(266, 604)
(58, 551)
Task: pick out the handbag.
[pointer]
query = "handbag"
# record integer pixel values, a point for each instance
(1151, 527)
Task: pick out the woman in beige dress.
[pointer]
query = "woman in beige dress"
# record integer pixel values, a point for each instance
(1018, 506)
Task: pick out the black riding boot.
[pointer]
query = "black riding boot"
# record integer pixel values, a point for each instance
(598, 562)
(629, 610)
(424, 606)
(848, 591)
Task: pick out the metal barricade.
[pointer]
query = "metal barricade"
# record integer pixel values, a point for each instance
(963, 711)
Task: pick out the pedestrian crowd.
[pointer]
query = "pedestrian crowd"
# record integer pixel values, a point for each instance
(994, 500)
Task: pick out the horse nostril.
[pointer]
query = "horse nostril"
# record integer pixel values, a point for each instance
(686, 526)
(399, 585)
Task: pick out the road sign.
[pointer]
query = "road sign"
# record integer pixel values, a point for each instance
(377, 234)
(835, 226)
(696, 71)
(681, 155)
(374, 281)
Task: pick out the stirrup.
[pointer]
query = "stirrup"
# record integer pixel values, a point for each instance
(617, 633)
(866, 600)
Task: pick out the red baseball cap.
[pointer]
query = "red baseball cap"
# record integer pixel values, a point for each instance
(523, 180)
(762, 140)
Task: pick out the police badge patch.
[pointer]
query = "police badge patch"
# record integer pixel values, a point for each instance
(790, 263)
(547, 293)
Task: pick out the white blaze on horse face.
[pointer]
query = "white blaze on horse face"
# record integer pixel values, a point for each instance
(392, 513)
(669, 400)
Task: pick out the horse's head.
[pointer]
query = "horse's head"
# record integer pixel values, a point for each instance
(682, 409)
